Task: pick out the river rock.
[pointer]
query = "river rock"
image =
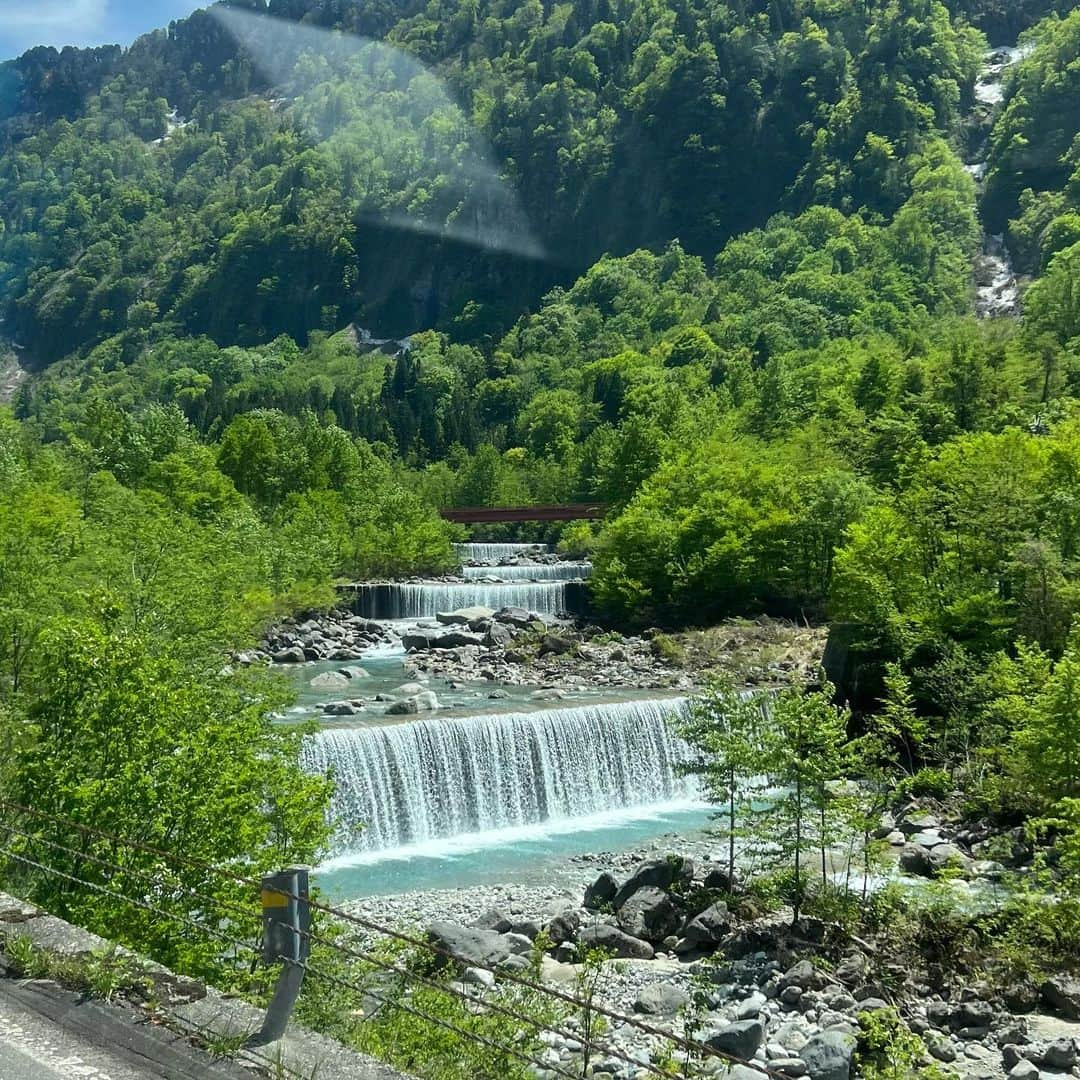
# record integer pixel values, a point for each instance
(340, 708)
(553, 644)
(458, 639)
(708, 928)
(564, 927)
(661, 999)
(611, 938)
(601, 892)
(1059, 1054)
(660, 873)
(915, 860)
(1062, 994)
(463, 616)
(514, 616)
(417, 641)
(740, 1039)
(549, 693)
(473, 947)
(497, 635)
(828, 1055)
(717, 877)
(851, 971)
(726, 1071)
(649, 914)
(805, 976)
(330, 680)
(418, 703)
(494, 920)
(355, 672)
(409, 689)
(292, 655)
(789, 1066)
(919, 821)
(948, 857)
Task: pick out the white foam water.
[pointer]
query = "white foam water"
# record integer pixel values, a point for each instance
(428, 782)
(560, 571)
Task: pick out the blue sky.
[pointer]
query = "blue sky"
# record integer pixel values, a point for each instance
(25, 23)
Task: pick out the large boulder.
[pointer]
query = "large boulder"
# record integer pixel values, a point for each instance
(411, 706)
(341, 708)
(294, 654)
(555, 645)
(708, 928)
(471, 946)
(330, 680)
(661, 999)
(612, 939)
(740, 1039)
(564, 927)
(915, 860)
(458, 639)
(718, 878)
(659, 873)
(828, 1055)
(649, 914)
(948, 857)
(498, 634)
(417, 641)
(805, 976)
(601, 892)
(464, 616)
(1062, 994)
(494, 920)
(514, 616)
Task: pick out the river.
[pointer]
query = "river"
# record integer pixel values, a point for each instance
(494, 785)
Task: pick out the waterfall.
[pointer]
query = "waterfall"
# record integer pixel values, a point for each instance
(494, 552)
(400, 784)
(561, 571)
(417, 600)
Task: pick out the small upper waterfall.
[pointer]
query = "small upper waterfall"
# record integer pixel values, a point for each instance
(560, 571)
(997, 290)
(493, 552)
(401, 784)
(421, 599)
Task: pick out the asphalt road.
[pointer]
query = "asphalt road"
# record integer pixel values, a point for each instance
(47, 1033)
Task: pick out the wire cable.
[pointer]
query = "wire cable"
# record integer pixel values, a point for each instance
(681, 1042)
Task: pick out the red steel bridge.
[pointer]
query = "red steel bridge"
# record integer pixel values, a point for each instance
(478, 515)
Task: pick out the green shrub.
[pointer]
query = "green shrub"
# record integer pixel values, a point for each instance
(670, 651)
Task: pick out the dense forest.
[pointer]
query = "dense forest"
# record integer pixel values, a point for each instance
(282, 292)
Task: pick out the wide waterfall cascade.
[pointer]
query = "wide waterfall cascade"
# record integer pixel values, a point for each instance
(422, 599)
(494, 552)
(401, 784)
(560, 571)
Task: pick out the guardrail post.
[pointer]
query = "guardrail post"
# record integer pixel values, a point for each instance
(286, 940)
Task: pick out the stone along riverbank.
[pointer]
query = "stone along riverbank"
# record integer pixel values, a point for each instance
(694, 956)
